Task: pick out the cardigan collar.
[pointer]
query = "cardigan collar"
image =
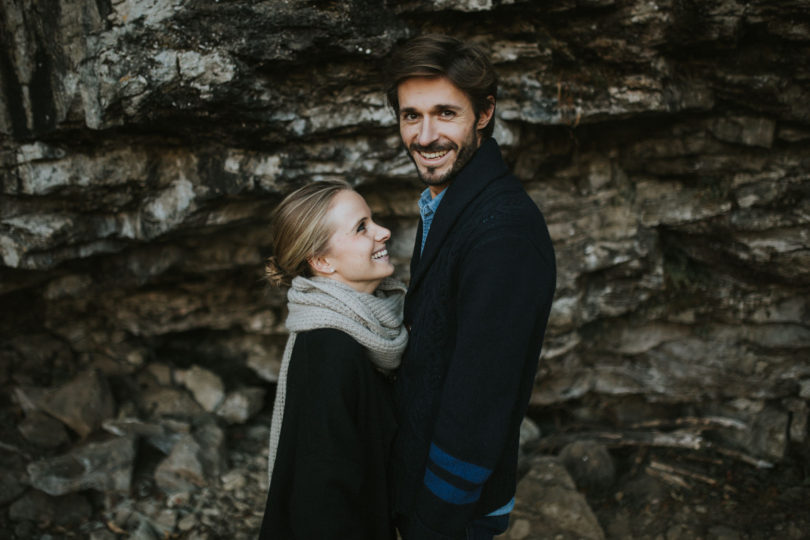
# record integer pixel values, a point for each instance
(485, 166)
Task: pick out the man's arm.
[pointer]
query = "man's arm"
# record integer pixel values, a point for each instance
(505, 287)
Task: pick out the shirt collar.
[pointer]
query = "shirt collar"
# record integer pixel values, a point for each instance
(428, 204)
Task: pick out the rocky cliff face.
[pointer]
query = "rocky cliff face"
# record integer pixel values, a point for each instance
(144, 144)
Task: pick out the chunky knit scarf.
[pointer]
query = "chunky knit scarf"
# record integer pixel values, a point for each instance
(373, 320)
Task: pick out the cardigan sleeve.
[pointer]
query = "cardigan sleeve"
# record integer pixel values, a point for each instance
(505, 285)
(328, 472)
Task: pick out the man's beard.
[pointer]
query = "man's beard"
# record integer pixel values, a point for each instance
(463, 155)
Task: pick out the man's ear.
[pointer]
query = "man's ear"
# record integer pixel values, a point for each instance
(485, 116)
(320, 265)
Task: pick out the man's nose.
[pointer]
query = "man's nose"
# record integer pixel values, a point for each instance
(427, 132)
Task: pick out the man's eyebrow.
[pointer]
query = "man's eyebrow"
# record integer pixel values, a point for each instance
(442, 106)
(437, 107)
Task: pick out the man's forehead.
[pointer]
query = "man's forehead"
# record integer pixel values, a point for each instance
(435, 91)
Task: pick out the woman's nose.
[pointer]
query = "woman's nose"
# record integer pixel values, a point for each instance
(382, 235)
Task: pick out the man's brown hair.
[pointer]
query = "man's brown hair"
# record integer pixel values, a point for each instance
(435, 55)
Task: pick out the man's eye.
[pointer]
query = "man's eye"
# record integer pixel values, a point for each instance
(409, 116)
(448, 114)
(361, 227)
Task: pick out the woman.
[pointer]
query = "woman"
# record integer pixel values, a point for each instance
(332, 419)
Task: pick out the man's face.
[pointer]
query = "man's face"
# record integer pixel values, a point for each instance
(438, 128)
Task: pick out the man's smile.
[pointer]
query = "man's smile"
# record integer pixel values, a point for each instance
(432, 156)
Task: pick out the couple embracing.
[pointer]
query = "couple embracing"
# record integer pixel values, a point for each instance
(399, 410)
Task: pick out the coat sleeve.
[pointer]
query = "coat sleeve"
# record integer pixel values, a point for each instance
(328, 474)
(505, 288)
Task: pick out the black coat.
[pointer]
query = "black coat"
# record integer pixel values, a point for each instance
(330, 476)
(477, 305)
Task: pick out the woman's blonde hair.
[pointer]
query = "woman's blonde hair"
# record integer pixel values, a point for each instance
(300, 230)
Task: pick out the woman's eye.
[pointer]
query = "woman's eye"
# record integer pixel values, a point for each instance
(361, 227)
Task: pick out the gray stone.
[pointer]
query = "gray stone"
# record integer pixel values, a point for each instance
(43, 430)
(799, 413)
(144, 531)
(12, 484)
(162, 435)
(183, 469)
(82, 403)
(161, 402)
(206, 387)
(233, 480)
(161, 372)
(721, 532)
(590, 465)
(102, 534)
(547, 505)
(41, 508)
(239, 405)
(211, 439)
(105, 466)
(748, 131)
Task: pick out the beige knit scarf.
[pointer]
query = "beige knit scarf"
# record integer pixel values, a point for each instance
(373, 320)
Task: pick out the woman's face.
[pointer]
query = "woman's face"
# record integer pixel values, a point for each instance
(356, 253)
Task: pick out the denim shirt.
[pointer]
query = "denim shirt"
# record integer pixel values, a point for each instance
(427, 209)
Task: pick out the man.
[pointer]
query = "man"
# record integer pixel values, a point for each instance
(482, 280)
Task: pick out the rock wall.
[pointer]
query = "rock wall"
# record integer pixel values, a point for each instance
(144, 144)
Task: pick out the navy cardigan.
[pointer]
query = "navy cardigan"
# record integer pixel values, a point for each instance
(477, 305)
(330, 477)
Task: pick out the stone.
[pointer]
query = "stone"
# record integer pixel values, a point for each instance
(804, 389)
(104, 466)
(233, 480)
(12, 483)
(187, 522)
(162, 436)
(529, 431)
(65, 511)
(212, 444)
(590, 465)
(102, 534)
(160, 402)
(43, 430)
(195, 460)
(721, 532)
(547, 505)
(183, 469)
(205, 385)
(748, 131)
(239, 405)
(161, 372)
(144, 531)
(82, 403)
(799, 413)
(266, 362)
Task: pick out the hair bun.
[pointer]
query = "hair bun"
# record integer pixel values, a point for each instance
(275, 275)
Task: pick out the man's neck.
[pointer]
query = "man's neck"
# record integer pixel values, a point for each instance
(435, 190)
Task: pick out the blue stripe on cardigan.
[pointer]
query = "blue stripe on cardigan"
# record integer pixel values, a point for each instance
(464, 470)
(449, 493)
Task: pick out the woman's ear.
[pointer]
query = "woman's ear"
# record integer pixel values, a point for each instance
(320, 265)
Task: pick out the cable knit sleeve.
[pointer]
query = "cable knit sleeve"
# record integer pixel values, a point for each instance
(504, 288)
